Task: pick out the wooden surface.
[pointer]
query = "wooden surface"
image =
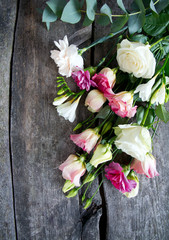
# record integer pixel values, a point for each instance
(35, 141)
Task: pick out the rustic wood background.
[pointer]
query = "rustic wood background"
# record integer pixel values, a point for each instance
(35, 141)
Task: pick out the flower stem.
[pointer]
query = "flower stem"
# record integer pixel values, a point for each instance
(146, 114)
(101, 40)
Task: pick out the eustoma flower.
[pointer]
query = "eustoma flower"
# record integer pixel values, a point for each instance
(133, 140)
(73, 168)
(67, 59)
(121, 103)
(82, 79)
(147, 167)
(59, 100)
(68, 109)
(159, 95)
(145, 89)
(114, 173)
(136, 58)
(95, 100)
(101, 154)
(87, 139)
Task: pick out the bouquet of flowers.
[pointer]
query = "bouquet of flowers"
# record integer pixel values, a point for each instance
(125, 95)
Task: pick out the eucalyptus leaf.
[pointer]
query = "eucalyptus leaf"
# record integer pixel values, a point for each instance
(91, 8)
(107, 11)
(161, 5)
(71, 13)
(139, 38)
(48, 15)
(103, 20)
(136, 22)
(57, 6)
(48, 25)
(153, 7)
(121, 5)
(156, 25)
(119, 23)
(162, 113)
(87, 21)
(140, 5)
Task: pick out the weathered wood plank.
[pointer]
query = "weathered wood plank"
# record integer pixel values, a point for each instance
(7, 24)
(40, 138)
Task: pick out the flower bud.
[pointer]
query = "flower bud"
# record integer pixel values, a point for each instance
(59, 100)
(92, 70)
(101, 154)
(107, 126)
(89, 178)
(95, 100)
(110, 74)
(159, 95)
(68, 186)
(88, 203)
(72, 193)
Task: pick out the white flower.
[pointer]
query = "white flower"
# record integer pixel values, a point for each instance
(59, 100)
(136, 58)
(68, 110)
(145, 89)
(95, 100)
(67, 59)
(133, 140)
(159, 95)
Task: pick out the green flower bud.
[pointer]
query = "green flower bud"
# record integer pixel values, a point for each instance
(92, 70)
(72, 193)
(88, 203)
(68, 186)
(107, 126)
(89, 178)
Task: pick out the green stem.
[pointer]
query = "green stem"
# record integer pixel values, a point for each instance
(146, 114)
(101, 40)
(161, 39)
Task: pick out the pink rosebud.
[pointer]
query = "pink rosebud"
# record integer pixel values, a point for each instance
(147, 167)
(121, 103)
(95, 100)
(102, 82)
(118, 179)
(86, 140)
(73, 168)
(82, 79)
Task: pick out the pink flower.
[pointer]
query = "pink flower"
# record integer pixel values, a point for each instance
(121, 104)
(147, 167)
(102, 82)
(82, 79)
(73, 168)
(95, 100)
(86, 140)
(118, 179)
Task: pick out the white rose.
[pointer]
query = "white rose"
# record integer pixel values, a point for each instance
(136, 58)
(67, 59)
(133, 140)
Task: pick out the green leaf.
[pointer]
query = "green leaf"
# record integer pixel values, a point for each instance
(48, 25)
(71, 13)
(89, 167)
(57, 6)
(139, 38)
(167, 68)
(107, 11)
(161, 5)
(140, 114)
(136, 22)
(104, 112)
(140, 5)
(150, 117)
(121, 5)
(86, 21)
(156, 24)
(153, 7)
(103, 20)
(119, 23)
(162, 113)
(91, 8)
(48, 15)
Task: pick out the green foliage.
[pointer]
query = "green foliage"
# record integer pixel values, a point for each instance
(91, 8)
(87, 21)
(104, 112)
(162, 113)
(153, 7)
(57, 6)
(107, 11)
(48, 15)
(71, 13)
(161, 5)
(139, 38)
(121, 5)
(119, 23)
(140, 115)
(156, 24)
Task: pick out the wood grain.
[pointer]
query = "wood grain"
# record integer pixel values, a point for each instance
(7, 25)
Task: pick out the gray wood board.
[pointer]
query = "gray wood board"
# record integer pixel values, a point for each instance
(40, 138)
(7, 25)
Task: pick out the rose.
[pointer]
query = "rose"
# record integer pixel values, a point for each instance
(136, 58)
(133, 140)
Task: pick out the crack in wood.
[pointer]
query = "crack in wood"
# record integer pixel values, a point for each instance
(103, 218)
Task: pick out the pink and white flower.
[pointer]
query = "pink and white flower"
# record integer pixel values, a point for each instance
(121, 103)
(147, 167)
(73, 168)
(114, 173)
(110, 74)
(87, 139)
(82, 79)
(67, 59)
(102, 83)
(95, 100)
